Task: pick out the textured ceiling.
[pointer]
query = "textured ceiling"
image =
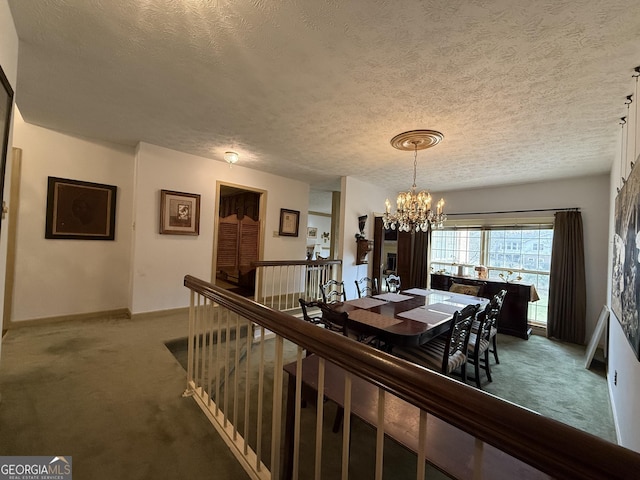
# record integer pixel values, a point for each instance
(523, 90)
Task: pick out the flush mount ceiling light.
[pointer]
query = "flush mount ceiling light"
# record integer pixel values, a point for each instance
(231, 157)
(413, 211)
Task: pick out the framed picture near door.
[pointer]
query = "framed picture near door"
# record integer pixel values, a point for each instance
(6, 106)
(179, 213)
(289, 222)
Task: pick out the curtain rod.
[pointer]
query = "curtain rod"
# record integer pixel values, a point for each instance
(568, 209)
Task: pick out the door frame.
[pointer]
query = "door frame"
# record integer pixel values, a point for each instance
(262, 205)
(12, 225)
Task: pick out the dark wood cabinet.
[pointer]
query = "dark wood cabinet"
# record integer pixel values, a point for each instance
(513, 318)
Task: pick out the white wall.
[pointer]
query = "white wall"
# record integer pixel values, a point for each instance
(357, 198)
(160, 262)
(590, 194)
(9, 63)
(622, 362)
(62, 277)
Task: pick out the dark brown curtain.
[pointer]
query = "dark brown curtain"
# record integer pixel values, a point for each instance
(420, 260)
(567, 284)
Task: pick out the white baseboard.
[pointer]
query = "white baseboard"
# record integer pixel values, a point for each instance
(122, 313)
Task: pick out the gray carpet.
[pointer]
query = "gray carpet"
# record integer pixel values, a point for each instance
(549, 377)
(109, 394)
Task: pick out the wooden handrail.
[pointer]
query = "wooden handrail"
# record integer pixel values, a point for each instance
(282, 263)
(550, 446)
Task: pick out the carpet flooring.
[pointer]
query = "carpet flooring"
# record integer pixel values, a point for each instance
(108, 393)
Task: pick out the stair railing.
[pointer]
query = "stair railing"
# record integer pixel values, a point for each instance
(232, 366)
(279, 284)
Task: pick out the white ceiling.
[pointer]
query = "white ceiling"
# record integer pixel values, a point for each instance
(523, 90)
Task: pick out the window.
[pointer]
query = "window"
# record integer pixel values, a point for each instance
(525, 251)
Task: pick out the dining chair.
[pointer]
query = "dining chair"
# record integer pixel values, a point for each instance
(306, 316)
(446, 353)
(336, 322)
(367, 287)
(393, 283)
(497, 301)
(305, 307)
(333, 291)
(480, 341)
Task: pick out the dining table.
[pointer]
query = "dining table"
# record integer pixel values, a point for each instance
(409, 318)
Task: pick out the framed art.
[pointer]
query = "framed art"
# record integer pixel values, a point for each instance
(289, 222)
(625, 281)
(6, 107)
(312, 232)
(179, 213)
(80, 210)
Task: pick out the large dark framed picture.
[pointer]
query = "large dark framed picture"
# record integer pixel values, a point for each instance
(80, 210)
(179, 213)
(289, 222)
(625, 289)
(6, 107)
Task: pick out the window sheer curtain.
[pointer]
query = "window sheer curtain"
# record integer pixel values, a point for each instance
(567, 283)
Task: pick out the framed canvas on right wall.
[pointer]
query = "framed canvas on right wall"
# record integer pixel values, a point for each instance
(625, 289)
(6, 107)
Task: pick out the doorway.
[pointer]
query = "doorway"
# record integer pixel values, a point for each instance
(238, 238)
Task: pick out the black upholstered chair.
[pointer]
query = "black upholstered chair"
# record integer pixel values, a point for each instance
(497, 301)
(479, 342)
(446, 353)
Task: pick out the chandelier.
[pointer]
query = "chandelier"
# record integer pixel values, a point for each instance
(413, 211)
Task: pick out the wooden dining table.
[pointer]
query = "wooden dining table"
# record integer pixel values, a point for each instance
(409, 318)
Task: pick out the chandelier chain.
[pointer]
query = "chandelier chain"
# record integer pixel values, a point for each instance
(415, 163)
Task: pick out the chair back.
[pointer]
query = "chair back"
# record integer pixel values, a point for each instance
(333, 320)
(367, 287)
(485, 320)
(305, 306)
(455, 354)
(393, 283)
(333, 291)
(494, 308)
(498, 299)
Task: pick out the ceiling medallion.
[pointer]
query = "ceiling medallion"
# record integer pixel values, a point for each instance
(419, 139)
(413, 210)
